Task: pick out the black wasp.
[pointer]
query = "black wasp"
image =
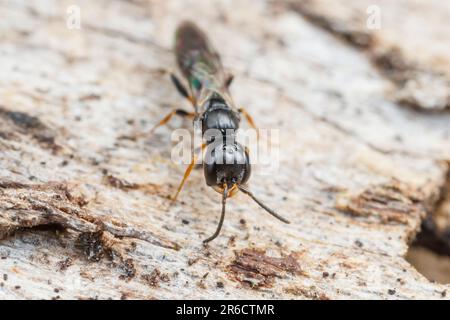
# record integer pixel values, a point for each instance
(228, 168)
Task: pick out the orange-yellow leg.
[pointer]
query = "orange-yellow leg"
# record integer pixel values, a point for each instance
(250, 121)
(167, 118)
(234, 189)
(187, 173)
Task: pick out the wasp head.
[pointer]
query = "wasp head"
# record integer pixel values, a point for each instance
(226, 164)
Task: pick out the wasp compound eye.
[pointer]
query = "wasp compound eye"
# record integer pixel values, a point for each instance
(226, 163)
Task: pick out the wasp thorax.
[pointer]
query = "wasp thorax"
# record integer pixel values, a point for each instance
(226, 163)
(218, 119)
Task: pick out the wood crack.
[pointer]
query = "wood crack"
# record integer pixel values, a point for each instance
(32, 205)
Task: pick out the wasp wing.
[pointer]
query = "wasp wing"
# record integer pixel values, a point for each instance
(199, 62)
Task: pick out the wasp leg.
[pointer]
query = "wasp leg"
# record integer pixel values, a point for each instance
(229, 80)
(188, 171)
(250, 121)
(182, 89)
(163, 121)
(248, 117)
(178, 112)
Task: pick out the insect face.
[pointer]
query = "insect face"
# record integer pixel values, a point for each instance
(226, 164)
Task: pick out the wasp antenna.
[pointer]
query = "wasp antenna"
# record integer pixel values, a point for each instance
(262, 205)
(222, 216)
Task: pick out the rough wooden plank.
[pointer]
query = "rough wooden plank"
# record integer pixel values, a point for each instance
(397, 43)
(357, 172)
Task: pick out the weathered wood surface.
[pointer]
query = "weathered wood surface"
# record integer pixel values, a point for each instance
(85, 214)
(410, 44)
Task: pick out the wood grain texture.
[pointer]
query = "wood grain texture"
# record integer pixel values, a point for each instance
(410, 45)
(85, 213)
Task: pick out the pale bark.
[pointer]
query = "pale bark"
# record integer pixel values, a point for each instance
(85, 214)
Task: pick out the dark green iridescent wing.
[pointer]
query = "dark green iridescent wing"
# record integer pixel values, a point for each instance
(197, 59)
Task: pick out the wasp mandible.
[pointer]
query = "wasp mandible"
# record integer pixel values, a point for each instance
(228, 169)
